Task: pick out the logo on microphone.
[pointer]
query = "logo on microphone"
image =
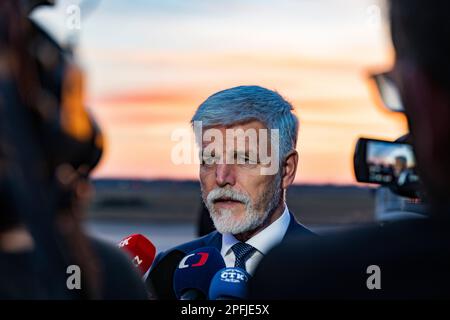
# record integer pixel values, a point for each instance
(124, 242)
(233, 276)
(203, 257)
(137, 261)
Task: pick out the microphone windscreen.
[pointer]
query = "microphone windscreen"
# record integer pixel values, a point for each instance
(141, 250)
(196, 270)
(229, 283)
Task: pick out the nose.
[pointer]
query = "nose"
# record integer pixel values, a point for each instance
(225, 175)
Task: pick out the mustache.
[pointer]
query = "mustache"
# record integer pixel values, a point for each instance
(219, 193)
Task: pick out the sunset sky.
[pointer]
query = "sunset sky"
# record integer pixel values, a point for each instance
(150, 63)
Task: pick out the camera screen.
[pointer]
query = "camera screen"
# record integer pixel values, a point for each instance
(391, 163)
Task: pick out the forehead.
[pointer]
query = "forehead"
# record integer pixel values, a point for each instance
(246, 127)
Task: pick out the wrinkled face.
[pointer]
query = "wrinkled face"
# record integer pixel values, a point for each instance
(238, 196)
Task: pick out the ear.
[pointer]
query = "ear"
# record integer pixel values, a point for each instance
(289, 169)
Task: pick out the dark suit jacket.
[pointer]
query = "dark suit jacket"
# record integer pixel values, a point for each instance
(159, 281)
(413, 257)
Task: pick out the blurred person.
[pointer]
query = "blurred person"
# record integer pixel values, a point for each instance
(400, 171)
(407, 259)
(400, 164)
(247, 207)
(48, 146)
(393, 203)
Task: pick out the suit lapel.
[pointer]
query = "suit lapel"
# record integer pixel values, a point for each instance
(215, 240)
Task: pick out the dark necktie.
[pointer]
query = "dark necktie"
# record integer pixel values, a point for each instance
(242, 252)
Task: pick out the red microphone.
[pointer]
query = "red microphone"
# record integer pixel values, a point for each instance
(141, 250)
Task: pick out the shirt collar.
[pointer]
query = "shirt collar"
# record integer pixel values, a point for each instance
(265, 239)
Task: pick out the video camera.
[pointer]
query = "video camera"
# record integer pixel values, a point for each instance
(387, 163)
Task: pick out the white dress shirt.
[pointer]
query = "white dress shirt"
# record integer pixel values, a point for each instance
(262, 242)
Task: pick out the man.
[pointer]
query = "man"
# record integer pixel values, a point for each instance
(405, 259)
(401, 171)
(242, 186)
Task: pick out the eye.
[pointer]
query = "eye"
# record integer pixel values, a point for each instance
(208, 160)
(245, 159)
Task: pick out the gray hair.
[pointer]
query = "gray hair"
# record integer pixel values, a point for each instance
(246, 103)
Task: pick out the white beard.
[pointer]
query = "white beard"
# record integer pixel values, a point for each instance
(225, 220)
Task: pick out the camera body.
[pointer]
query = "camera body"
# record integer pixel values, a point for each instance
(392, 166)
(387, 163)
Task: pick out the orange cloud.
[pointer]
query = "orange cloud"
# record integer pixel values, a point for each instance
(331, 96)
